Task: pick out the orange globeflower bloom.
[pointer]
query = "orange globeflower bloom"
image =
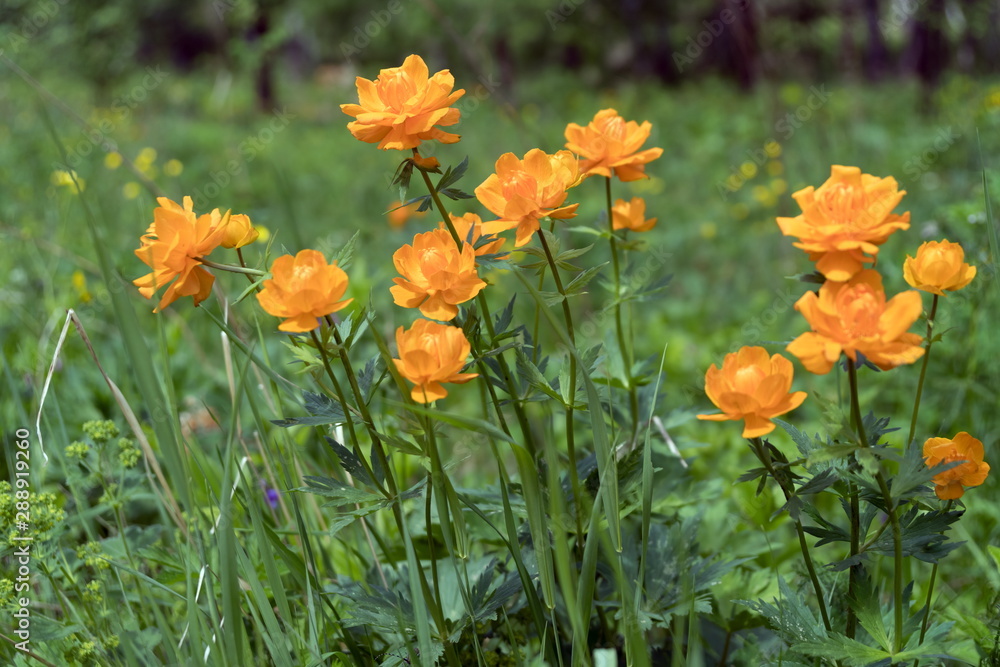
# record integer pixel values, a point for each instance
(437, 275)
(631, 215)
(754, 387)
(239, 232)
(401, 107)
(471, 221)
(173, 247)
(938, 266)
(971, 472)
(399, 214)
(429, 354)
(302, 289)
(609, 144)
(846, 217)
(853, 317)
(524, 190)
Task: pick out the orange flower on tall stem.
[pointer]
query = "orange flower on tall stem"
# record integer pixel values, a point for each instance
(238, 231)
(303, 289)
(854, 317)
(609, 144)
(404, 107)
(438, 275)
(631, 215)
(472, 222)
(753, 386)
(845, 220)
(173, 247)
(522, 191)
(429, 355)
(938, 267)
(971, 471)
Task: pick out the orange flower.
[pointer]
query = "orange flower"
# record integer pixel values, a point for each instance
(971, 472)
(523, 191)
(754, 387)
(938, 266)
(437, 275)
(239, 232)
(429, 354)
(173, 247)
(853, 317)
(401, 107)
(609, 144)
(302, 289)
(631, 215)
(843, 219)
(399, 214)
(471, 221)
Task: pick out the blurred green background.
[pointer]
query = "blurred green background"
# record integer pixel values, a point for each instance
(236, 103)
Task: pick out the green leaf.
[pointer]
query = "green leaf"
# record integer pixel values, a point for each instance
(452, 176)
(332, 488)
(346, 253)
(579, 282)
(322, 411)
(844, 650)
(349, 460)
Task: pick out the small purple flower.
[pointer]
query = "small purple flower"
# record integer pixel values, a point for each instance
(270, 494)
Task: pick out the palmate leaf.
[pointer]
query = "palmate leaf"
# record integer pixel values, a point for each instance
(322, 410)
(923, 536)
(789, 616)
(452, 176)
(350, 462)
(844, 650)
(338, 491)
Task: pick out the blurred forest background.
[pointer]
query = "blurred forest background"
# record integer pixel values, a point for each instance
(599, 40)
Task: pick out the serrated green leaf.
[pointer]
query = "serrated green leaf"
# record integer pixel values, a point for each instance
(346, 253)
(845, 650)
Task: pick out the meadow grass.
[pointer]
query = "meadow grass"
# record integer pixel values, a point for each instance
(199, 563)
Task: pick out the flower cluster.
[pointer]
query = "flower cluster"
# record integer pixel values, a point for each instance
(176, 243)
(842, 224)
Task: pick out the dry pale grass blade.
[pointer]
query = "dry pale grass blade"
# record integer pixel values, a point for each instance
(670, 441)
(167, 496)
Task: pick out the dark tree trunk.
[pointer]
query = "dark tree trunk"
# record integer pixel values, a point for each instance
(264, 80)
(876, 54)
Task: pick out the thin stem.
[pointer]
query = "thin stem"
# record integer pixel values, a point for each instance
(855, 504)
(347, 412)
(765, 457)
(623, 345)
(930, 585)
(923, 373)
(487, 319)
(570, 433)
(897, 533)
(231, 268)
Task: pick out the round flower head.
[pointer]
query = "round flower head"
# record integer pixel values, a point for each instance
(938, 267)
(173, 247)
(845, 218)
(752, 386)
(609, 145)
(437, 275)
(238, 231)
(303, 289)
(403, 107)
(853, 317)
(430, 354)
(631, 215)
(522, 191)
(970, 471)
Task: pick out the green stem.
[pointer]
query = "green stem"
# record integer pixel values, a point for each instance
(570, 435)
(229, 267)
(930, 586)
(765, 457)
(623, 345)
(855, 504)
(923, 372)
(487, 319)
(897, 533)
(347, 411)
